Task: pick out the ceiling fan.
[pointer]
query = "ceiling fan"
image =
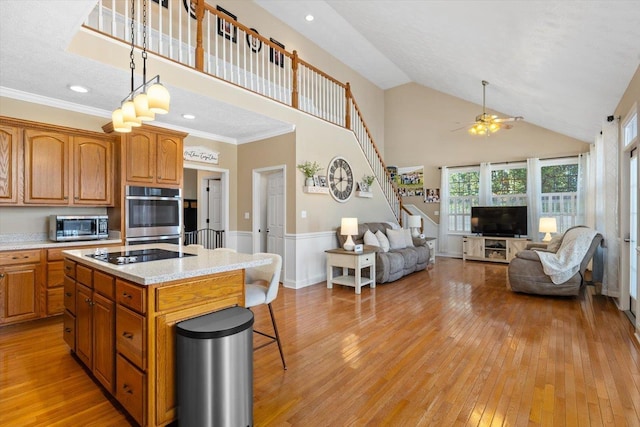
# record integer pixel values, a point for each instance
(486, 123)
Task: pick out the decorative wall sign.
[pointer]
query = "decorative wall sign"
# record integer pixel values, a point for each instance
(225, 27)
(254, 43)
(275, 55)
(201, 154)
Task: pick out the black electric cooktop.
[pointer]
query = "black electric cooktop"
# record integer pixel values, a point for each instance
(139, 255)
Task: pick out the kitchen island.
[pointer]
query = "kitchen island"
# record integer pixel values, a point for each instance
(119, 320)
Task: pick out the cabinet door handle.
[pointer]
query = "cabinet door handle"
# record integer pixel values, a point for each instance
(127, 389)
(127, 335)
(68, 294)
(1, 275)
(68, 268)
(126, 295)
(67, 329)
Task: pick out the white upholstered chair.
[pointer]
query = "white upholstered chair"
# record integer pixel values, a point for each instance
(262, 285)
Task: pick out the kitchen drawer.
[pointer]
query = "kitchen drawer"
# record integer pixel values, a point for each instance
(69, 295)
(69, 330)
(200, 291)
(70, 268)
(131, 296)
(56, 254)
(104, 284)
(366, 260)
(55, 301)
(19, 257)
(84, 275)
(55, 273)
(130, 389)
(130, 336)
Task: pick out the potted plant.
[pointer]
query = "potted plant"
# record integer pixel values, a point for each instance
(309, 170)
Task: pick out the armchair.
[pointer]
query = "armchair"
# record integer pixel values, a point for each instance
(527, 272)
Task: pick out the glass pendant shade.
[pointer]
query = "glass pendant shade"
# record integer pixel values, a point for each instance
(118, 122)
(141, 103)
(159, 99)
(129, 114)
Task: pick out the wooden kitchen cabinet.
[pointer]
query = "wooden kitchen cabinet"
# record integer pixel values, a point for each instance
(46, 167)
(93, 171)
(153, 157)
(10, 163)
(20, 282)
(42, 164)
(94, 326)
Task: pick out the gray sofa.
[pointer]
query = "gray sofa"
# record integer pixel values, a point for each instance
(527, 275)
(396, 263)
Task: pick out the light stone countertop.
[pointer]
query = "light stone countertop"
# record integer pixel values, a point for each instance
(49, 244)
(148, 273)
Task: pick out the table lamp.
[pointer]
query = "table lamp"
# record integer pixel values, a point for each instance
(547, 225)
(349, 227)
(415, 223)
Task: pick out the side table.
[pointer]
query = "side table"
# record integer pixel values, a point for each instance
(356, 261)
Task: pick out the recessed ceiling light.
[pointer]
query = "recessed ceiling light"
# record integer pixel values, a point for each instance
(189, 116)
(78, 88)
(309, 17)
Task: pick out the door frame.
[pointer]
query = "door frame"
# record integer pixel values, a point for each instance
(257, 176)
(224, 177)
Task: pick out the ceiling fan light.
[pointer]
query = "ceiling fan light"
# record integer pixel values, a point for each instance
(159, 99)
(141, 103)
(118, 122)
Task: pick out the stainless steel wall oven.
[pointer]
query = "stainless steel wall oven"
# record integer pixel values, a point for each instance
(152, 215)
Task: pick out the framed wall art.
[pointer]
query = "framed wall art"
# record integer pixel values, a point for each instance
(275, 55)
(225, 27)
(254, 42)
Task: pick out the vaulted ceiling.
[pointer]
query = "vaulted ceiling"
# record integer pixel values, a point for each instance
(561, 64)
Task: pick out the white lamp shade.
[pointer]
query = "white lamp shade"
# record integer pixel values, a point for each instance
(118, 122)
(159, 99)
(548, 226)
(415, 221)
(349, 227)
(141, 103)
(129, 114)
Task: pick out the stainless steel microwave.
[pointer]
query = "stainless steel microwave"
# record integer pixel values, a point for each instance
(63, 228)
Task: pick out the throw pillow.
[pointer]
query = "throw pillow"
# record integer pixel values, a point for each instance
(554, 243)
(370, 239)
(396, 239)
(408, 238)
(382, 239)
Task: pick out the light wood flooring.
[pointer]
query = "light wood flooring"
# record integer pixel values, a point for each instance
(449, 346)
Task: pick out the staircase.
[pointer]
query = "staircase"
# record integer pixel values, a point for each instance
(207, 39)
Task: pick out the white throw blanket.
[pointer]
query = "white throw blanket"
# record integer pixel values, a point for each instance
(562, 265)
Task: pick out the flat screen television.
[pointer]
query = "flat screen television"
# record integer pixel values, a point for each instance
(499, 221)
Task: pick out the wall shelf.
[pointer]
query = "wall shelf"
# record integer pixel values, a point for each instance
(367, 194)
(315, 190)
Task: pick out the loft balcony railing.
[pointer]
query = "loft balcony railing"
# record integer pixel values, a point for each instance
(210, 40)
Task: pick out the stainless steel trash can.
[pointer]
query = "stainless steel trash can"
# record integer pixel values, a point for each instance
(214, 359)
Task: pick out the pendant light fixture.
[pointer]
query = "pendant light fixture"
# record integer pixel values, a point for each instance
(148, 99)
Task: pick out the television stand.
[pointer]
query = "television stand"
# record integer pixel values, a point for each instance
(493, 249)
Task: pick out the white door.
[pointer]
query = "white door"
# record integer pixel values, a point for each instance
(214, 218)
(633, 231)
(275, 213)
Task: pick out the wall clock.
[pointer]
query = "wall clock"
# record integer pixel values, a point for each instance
(340, 177)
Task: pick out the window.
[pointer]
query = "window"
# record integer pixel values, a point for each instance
(509, 186)
(630, 127)
(464, 190)
(559, 192)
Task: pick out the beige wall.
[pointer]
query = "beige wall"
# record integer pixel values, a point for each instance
(418, 131)
(276, 151)
(631, 95)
